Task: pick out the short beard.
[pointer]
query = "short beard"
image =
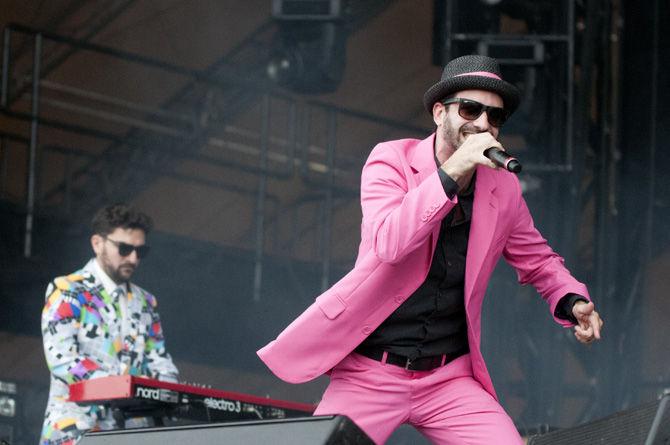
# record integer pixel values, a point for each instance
(117, 277)
(453, 135)
(450, 135)
(114, 274)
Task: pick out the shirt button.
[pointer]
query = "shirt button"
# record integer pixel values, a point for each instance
(448, 263)
(366, 330)
(399, 299)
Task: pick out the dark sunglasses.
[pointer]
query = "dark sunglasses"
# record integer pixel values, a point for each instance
(471, 110)
(126, 249)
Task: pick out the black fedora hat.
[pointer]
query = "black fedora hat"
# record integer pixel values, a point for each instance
(473, 72)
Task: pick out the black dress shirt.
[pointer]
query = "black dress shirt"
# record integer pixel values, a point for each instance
(432, 320)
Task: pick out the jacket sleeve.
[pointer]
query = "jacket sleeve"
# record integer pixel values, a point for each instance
(398, 215)
(158, 361)
(60, 326)
(537, 264)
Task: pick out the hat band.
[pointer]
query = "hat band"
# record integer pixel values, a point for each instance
(480, 73)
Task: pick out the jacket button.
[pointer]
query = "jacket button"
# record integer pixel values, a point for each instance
(367, 330)
(398, 299)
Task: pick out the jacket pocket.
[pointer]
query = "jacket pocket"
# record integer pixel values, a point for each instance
(331, 305)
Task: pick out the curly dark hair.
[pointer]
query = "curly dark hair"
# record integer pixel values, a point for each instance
(109, 218)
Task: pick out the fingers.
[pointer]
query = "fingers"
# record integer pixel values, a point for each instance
(481, 141)
(589, 330)
(470, 153)
(583, 334)
(477, 143)
(488, 163)
(597, 324)
(585, 340)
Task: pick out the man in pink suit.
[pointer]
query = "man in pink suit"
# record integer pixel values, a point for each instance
(400, 333)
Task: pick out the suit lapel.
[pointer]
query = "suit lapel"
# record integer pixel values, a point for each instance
(97, 289)
(482, 226)
(423, 160)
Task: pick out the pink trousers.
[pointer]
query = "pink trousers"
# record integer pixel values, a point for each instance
(446, 404)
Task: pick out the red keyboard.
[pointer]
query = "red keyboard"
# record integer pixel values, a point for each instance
(133, 396)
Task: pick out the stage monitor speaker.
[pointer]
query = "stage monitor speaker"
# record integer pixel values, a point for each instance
(327, 430)
(648, 424)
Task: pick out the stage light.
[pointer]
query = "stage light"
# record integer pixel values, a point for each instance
(309, 53)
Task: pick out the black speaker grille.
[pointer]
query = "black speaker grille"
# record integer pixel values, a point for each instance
(632, 427)
(318, 430)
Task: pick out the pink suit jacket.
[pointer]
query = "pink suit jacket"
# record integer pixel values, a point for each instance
(403, 203)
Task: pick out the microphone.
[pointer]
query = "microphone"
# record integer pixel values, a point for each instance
(502, 159)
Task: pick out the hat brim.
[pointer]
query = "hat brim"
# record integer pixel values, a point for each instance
(508, 92)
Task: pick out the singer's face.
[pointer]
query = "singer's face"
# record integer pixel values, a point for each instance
(455, 129)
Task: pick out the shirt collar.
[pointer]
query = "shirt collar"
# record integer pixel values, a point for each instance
(94, 267)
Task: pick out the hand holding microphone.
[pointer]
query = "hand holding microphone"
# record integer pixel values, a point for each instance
(494, 153)
(478, 148)
(502, 159)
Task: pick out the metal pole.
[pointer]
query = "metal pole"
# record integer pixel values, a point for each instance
(569, 142)
(327, 214)
(448, 42)
(4, 144)
(304, 139)
(604, 235)
(260, 201)
(634, 328)
(32, 159)
(4, 93)
(5, 67)
(293, 123)
(4, 160)
(69, 159)
(653, 112)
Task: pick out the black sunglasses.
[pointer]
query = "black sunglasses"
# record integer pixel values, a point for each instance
(471, 110)
(126, 249)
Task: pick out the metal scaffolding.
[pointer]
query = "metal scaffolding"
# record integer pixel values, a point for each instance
(157, 138)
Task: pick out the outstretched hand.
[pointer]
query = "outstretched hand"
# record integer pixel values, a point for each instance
(589, 323)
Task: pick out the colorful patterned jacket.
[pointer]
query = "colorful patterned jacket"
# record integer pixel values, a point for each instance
(83, 339)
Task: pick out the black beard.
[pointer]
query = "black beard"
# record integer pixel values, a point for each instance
(117, 277)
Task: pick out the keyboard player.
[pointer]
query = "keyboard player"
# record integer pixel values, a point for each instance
(97, 323)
